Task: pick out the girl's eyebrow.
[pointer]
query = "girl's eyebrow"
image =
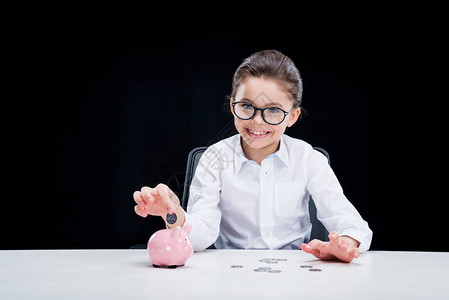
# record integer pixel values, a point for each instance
(266, 105)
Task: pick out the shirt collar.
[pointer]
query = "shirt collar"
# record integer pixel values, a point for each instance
(282, 153)
(240, 158)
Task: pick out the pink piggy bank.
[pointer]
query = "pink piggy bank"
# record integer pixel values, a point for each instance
(170, 248)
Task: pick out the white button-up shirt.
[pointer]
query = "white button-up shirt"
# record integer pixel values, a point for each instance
(237, 203)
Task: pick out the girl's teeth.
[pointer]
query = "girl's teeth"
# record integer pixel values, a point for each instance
(258, 132)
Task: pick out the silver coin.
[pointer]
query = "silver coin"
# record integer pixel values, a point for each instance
(274, 271)
(315, 270)
(267, 259)
(171, 218)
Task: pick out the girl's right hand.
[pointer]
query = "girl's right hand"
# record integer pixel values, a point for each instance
(156, 201)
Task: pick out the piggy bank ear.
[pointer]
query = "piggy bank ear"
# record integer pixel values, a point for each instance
(186, 229)
(175, 232)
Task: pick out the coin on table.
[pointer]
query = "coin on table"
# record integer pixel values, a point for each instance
(261, 269)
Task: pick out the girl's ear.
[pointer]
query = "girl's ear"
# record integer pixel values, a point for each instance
(230, 105)
(294, 117)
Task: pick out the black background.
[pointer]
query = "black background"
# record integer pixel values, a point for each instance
(97, 112)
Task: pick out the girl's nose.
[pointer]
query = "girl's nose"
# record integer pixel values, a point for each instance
(258, 118)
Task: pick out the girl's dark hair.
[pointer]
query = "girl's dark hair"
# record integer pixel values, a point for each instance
(271, 64)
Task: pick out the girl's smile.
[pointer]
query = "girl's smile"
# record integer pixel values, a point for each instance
(257, 134)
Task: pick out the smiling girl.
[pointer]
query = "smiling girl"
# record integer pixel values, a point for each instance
(251, 191)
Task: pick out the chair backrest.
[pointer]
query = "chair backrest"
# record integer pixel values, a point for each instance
(192, 163)
(318, 229)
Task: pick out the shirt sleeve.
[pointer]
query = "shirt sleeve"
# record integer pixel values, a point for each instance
(204, 195)
(333, 208)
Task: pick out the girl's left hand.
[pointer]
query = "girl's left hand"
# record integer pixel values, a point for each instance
(342, 248)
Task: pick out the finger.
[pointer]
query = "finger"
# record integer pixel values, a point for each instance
(348, 246)
(317, 253)
(337, 241)
(140, 211)
(348, 253)
(164, 192)
(333, 235)
(306, 248)
(344, 246)
(138, 199)
(316, 247)
(147, 193)
(316, 244)
(347, 243)
(355, 252)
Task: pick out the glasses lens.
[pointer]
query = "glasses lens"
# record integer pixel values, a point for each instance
(244, 110)
(273, 115)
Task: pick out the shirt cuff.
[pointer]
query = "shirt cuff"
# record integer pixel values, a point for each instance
(362, 238)
(186, 219)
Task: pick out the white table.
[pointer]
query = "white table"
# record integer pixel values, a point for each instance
(129, 274)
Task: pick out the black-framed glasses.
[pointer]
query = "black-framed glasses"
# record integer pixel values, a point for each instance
(271, 115)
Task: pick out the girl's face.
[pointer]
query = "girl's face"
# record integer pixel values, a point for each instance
(262, 93)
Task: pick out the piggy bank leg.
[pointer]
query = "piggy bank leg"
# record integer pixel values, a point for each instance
(168, 267)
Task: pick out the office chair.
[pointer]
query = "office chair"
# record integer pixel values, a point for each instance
(318, 229)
